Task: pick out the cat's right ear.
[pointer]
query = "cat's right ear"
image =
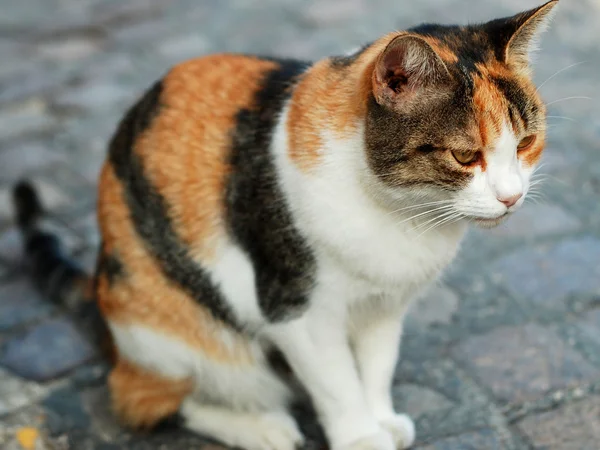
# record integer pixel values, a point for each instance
(407, 65)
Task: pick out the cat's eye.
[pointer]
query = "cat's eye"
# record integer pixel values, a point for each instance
(465, 158)
(526, 143)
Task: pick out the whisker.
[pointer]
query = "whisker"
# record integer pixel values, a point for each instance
(535, 199)
(437, 217)
(557, 180)
(424, 213)
(455, 216)
(421, 205)
(560, 71)
(561, 117)
(580, 97)
(536, 194)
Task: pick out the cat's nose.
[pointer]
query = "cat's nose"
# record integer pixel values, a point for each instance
(509, 201)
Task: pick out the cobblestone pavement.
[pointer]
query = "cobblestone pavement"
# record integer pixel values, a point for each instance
(504, 354)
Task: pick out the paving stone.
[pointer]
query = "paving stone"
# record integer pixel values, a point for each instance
(142, 32)
(438, 306)
(104, 424)
(27, 420)
(82, 194)
(29, 117)
(65, 411)
(21, 303)
(173, 439)
(417, 400)
(82, 440)
(109, 65)
(6, 270)
(87, 227)
(523, 363)
(69, 48)
(179, 48)
(16, 393)
(90, 376)
(47, 351)
(491, 309)
(95, 95)
(547, 275)
(87, 259)
(22, 79)
(571, 427)
(26, 157)
(330, 12)
(87, 144)
(454, 403)
(482, 304)
(584, 335)
(537, 220)
(127, 13)
(11, 244)
(486, 439)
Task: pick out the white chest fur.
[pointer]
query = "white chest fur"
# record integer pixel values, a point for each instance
(348, 229)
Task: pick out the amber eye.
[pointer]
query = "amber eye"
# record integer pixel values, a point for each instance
(526, 142)
(465, 157)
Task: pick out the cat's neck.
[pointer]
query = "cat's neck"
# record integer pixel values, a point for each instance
(336, 211)
(330, 99)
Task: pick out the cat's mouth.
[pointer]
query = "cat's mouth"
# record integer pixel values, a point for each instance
(490, 222)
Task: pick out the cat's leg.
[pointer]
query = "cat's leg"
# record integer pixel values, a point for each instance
(273, 430)
(317, 348)
(376, 347)
(142, 398)
(244, 405)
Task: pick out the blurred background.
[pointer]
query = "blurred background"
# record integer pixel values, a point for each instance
(504, 353)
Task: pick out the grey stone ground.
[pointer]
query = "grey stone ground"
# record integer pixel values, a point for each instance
(505, 354)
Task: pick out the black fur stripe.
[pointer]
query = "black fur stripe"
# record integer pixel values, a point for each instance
(515, 96)
(347, 60)
(150, 211)
(258, 215)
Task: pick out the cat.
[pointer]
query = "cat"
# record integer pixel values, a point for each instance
(253, 205)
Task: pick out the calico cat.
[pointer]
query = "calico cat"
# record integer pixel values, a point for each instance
(253, 205)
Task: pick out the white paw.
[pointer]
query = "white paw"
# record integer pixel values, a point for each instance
(402, 429)
(274, 432)
(379, 441)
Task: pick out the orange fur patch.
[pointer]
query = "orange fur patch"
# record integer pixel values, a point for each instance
(185, 151)
(332, 99)
(325, 99)
(141, 399)
(442, 50)
(490, 110)
(145, 297)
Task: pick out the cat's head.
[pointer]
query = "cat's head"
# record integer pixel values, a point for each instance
(454, 113)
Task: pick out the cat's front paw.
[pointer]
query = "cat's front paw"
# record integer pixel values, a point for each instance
(380, 441)
(402, 429)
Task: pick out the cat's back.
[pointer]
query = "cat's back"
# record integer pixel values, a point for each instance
(173, 148)
(189, 161)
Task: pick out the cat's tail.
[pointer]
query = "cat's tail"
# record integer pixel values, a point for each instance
(54, 272)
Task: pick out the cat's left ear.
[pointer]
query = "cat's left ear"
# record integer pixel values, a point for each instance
(516, 37)
(406, 67)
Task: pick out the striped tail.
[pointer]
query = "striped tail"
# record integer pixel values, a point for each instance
(57, 275)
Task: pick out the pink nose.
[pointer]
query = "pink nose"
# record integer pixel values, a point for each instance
(509, 201)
